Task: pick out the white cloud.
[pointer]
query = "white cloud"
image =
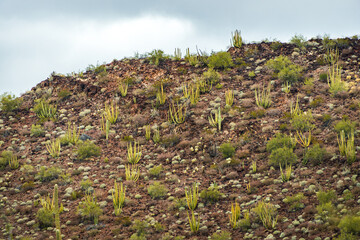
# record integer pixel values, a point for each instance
(36, 48)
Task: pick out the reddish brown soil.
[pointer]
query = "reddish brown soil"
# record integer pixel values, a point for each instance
(89, 92)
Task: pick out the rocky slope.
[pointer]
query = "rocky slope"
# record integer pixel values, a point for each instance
(188, 152)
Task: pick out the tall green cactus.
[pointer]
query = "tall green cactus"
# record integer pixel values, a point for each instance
(57, 212)
(58, 234)
(217, 120)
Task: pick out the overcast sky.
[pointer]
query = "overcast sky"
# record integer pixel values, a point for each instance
(38, 37)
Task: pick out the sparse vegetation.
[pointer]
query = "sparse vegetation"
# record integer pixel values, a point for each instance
(184, 150)
(111, 112)
(88, 149)
(157, 190)
(295, 202)
(157, 57)
(194, 223)
(315, 155)
(47, 174)
(37, 131)
(285, 69)
(212, 194)
(236, 39)
(133, 153)
(220, 60)
(280, 141)
(118, 197)
(45, 111)
(263, 98)
(227, 150)
(9, 103)
(266, 212)
(192, 196)
(282, 157)
(90, 208)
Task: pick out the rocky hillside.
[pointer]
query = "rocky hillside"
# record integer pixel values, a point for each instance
(259, 142)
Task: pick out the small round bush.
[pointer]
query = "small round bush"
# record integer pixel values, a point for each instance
(315, 155)
(157, 190)
(9, 103)
(326, 196)
(290, 74)
(37, 131)
(303, 122)
(276, 45)
(90, 208)
(350, 224)
(282, 157)
(45, 218)
(224, 235)
(211, 76)
(227, 150)
(344, 125)
(157, 56)
(155, 171)
(212, 194)
(279, 141)
(220, 60)
(47, 174)
(5, 158)
(278, 63)
(88, 149)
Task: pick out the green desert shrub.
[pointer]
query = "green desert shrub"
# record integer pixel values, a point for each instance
(45, 218)
(347, 236)
(326, 118)
(326, 199)
(212, 194)
(220, 60)
(326, 196)
(328, 43)
(96, 69)
(9, 103)
(259, 113)
(90, 208)
(350, 224)
(342, 43)
(46, 174)
(85, 185)
(157, 190)
(303, 121)
(157, 56)
(141, 230)
(290, 74)
(223, 235)
(44, 110)
(295, 202)
(211, 76)
(155, 171)
(282, 157)
(37, 131)
(299, 41)
(345, 125)
(88, 149)
(315, 155)
(279, 141)
(285, 69)
(64, 94)
(227, 150)
(5, 158)
(278, 63)
(275, 45)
